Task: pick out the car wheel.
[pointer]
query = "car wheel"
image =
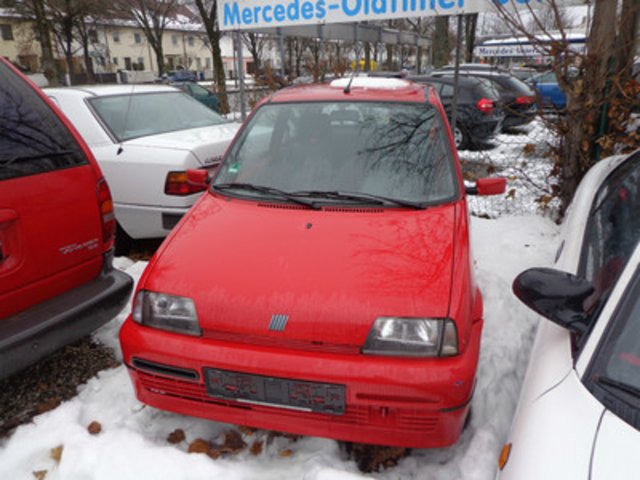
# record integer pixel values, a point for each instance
(123, 242)
(460, 138)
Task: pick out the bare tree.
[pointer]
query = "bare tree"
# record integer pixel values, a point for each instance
(37, 10)
(601, 92)
(441, 49)
(152, 16)
(256, 44)
(208, 11)
(470, 27)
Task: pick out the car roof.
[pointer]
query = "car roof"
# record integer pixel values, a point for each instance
(106, 90)
(361, 89)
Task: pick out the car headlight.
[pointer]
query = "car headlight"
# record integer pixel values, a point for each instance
(412, 337)
(166, 312)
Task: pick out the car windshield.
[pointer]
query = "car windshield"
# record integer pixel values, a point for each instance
(142, 114)
(394, 150)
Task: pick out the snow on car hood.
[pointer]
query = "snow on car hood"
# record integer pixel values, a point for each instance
(332, 272)
(206, 143)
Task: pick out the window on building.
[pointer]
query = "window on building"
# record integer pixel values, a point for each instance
(115, 60)
(6, 32)
(137, 37)
(127, 63)
(174, 39)
(190, 41)
(207, 63)
(140, 63)
(93, 36)
(116, 37)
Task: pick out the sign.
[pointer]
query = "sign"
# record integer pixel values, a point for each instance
(251, 14)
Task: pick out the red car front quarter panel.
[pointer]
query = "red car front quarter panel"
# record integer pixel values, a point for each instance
(420, 403)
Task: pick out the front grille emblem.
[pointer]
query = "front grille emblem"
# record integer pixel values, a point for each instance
(278, 322)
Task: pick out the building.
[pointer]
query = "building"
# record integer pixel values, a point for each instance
(121, 45)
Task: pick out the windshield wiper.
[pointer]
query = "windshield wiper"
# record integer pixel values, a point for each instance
(359, 197)
(266, 190)
(8, 161)
(617, 384)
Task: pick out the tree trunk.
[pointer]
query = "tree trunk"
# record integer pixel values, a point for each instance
(210, 20)
(49, 64)
(471, 23)
(586, 103)
(441, 49)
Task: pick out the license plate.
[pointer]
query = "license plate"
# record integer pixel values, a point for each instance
(280, 392)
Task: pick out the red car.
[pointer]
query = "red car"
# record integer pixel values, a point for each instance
(324, 284)
(57, 230)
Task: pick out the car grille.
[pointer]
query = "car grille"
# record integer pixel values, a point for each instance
(279, 342)
(409, 420)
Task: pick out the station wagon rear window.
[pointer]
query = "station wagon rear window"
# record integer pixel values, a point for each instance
(143, 114)
(386, 149)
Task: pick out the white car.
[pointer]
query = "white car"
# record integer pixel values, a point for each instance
(145, 137)
(579, 411)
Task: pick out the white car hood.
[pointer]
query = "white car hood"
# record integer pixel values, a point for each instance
(205, 143)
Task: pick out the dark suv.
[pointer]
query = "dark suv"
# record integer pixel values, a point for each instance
(480, 114)
(57, 230)
(516, 96)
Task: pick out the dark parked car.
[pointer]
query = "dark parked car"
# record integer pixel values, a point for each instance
(516, 96)
(203, 95)
(57, 230)
(480, 114)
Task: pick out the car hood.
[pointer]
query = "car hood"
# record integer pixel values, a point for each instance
(206, 143)
(332, 272)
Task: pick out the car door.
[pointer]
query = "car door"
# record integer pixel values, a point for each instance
(50, 223)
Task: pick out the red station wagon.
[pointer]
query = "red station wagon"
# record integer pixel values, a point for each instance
(57, 230)
(324, 284)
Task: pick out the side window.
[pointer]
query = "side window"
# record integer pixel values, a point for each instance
(446, 91)
(613, 229)
(33, 140)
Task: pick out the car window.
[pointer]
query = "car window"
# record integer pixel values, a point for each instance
(143, 114)
(486, 89)
(614, 372)
(446, 90)
(390, 149)
(515, 85)
(613, 229)
(33, 140)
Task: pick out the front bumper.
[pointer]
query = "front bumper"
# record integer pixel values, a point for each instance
(405, 402)
(32, 334)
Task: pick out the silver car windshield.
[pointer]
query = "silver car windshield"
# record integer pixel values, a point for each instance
(142, 114)
(394, 150)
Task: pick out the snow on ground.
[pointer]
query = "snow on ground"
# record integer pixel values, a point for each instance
(133, 441)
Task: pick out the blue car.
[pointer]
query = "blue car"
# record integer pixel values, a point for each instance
(550, 95)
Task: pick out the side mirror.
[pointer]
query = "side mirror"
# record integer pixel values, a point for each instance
(488, 186)
(198, 177)
(558, 296)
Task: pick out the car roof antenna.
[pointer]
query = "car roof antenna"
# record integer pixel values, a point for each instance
(347, 89)
(126, 117)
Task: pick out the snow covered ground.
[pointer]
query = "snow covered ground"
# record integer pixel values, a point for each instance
(133, 439)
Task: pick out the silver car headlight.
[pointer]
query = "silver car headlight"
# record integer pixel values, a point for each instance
(412, 337)
(166, 312)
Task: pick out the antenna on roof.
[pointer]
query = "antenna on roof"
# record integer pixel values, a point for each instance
(347, 89)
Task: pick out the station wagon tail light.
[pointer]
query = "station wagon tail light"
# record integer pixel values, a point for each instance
(178, 183)
(107, 214)
(166, 312)
(525, 100)
(485, 105)
(412, 337)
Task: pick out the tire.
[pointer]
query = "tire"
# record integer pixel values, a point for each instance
(123, 242)
(460, 138)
